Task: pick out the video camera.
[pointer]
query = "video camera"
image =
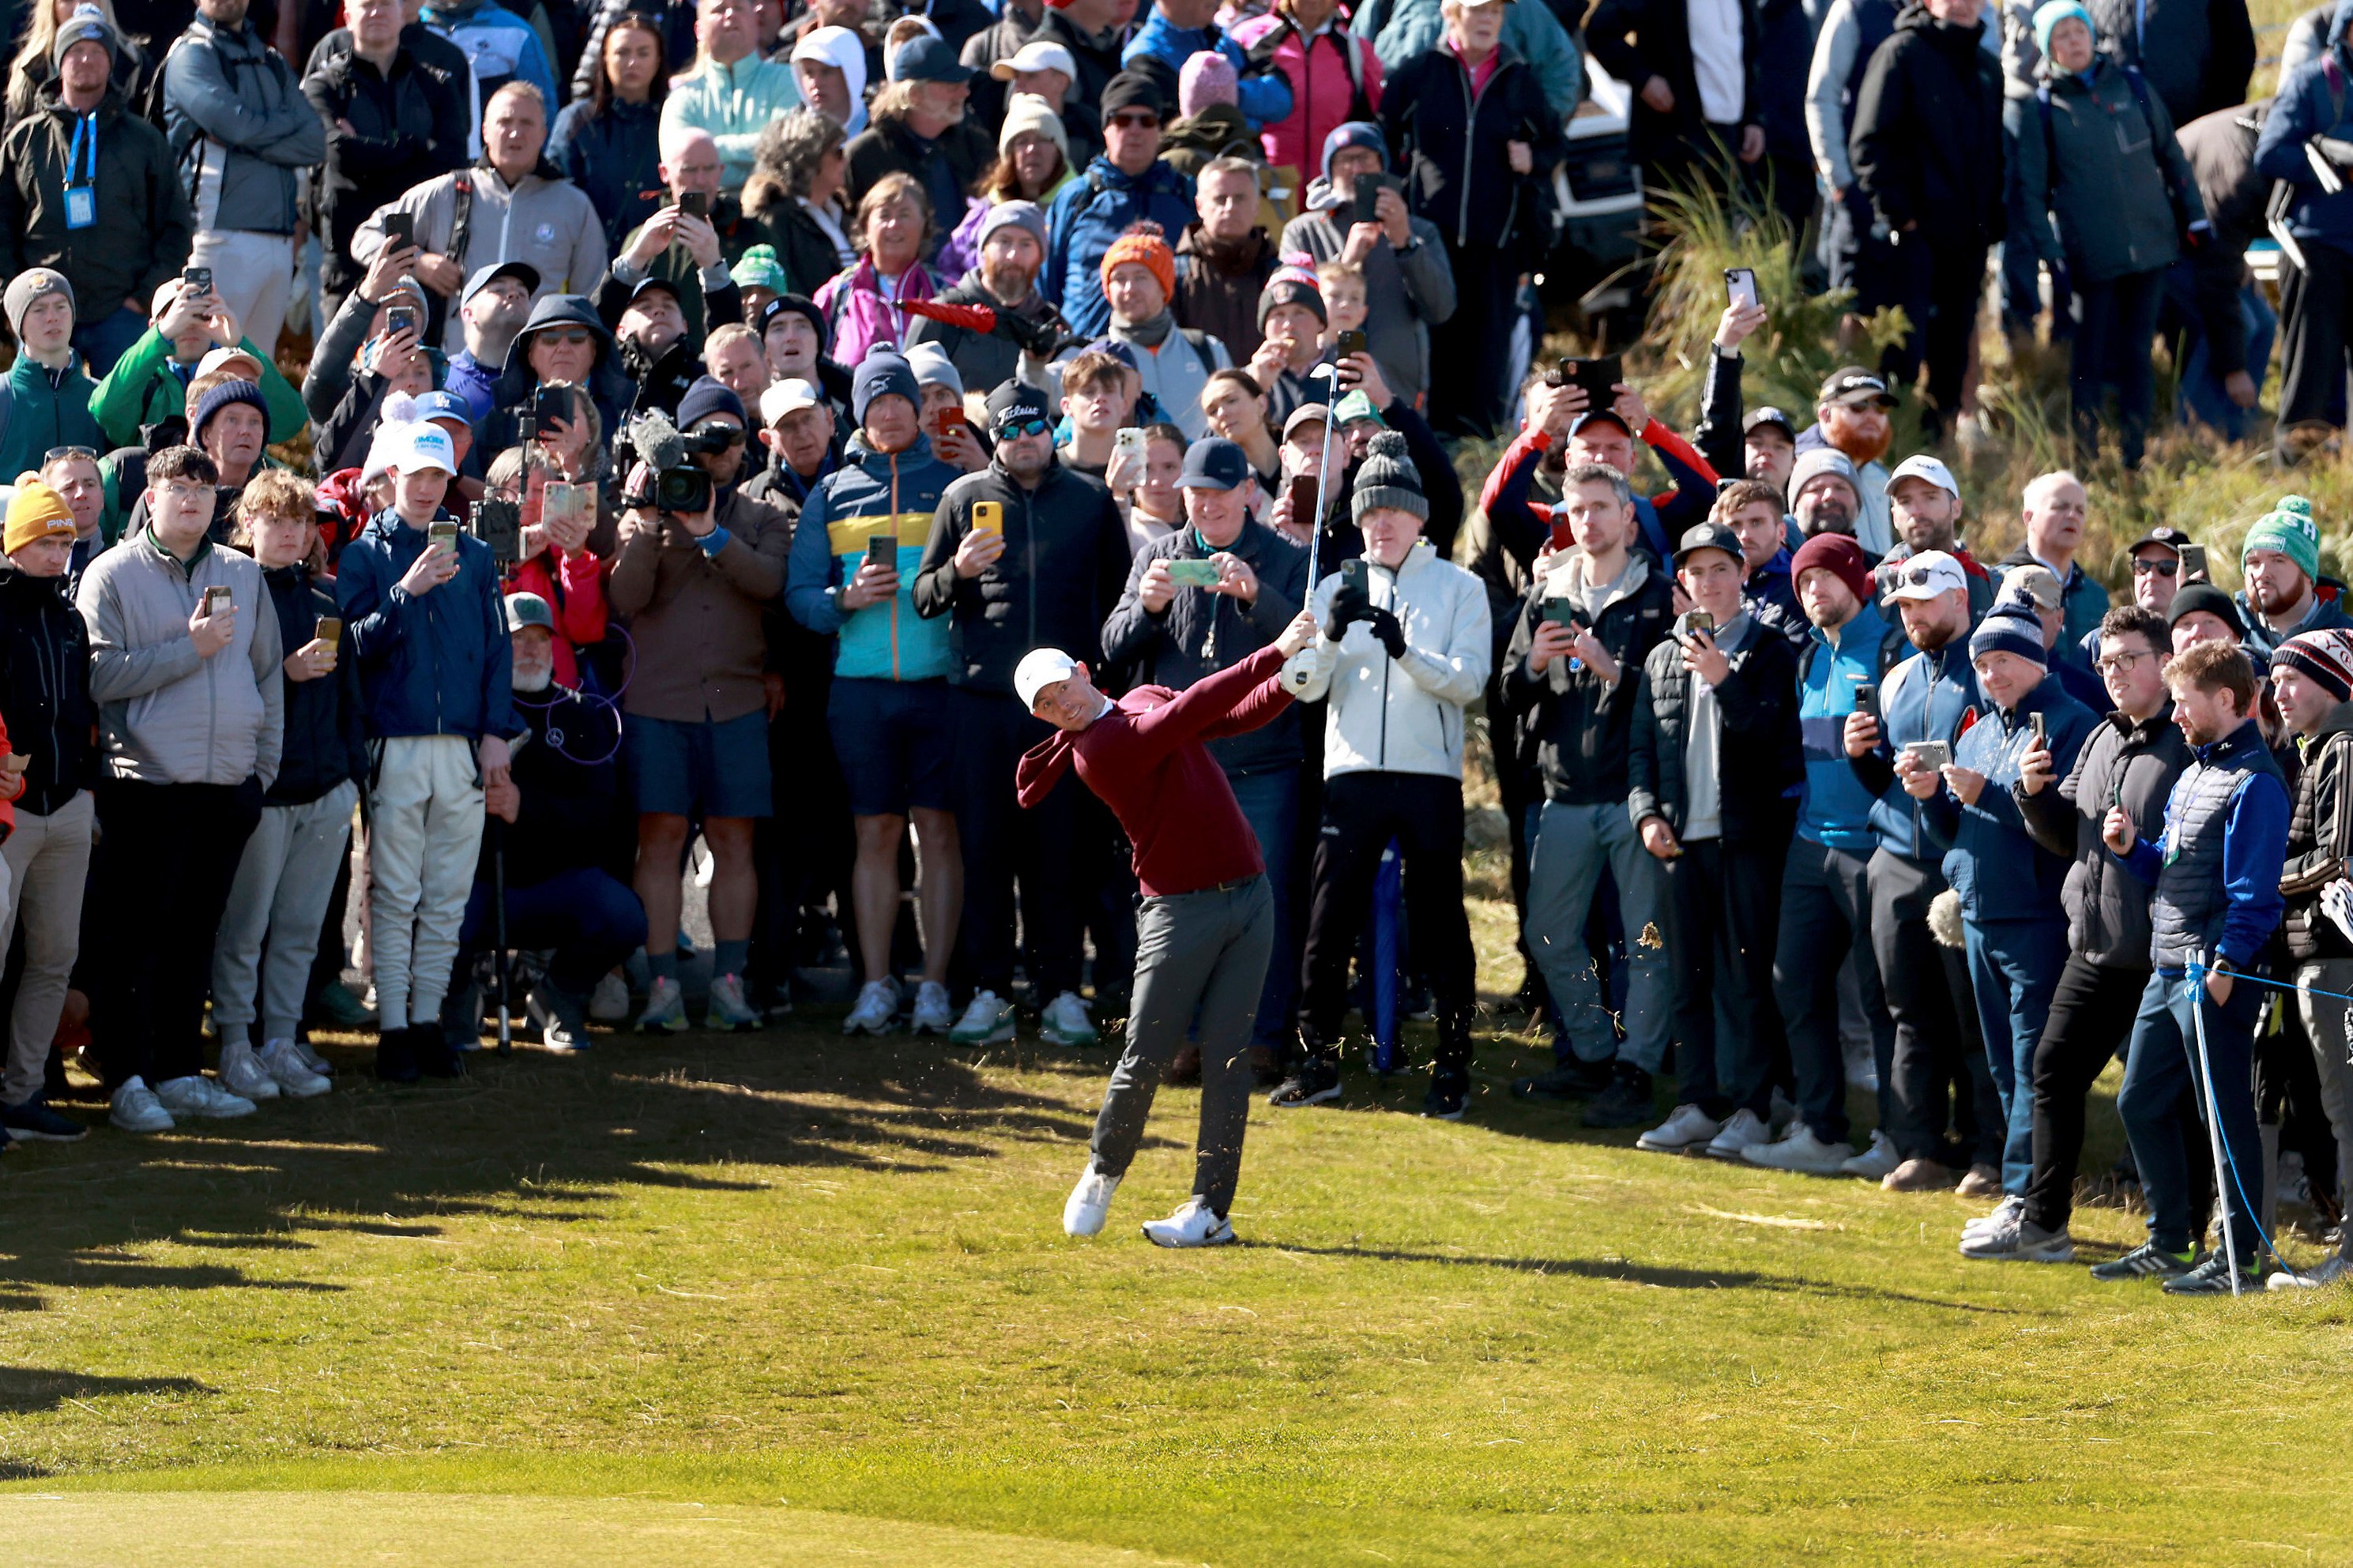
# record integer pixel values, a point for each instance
(678, 485)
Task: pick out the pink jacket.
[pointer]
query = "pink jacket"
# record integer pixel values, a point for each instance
(1323, 94)
(862, 321)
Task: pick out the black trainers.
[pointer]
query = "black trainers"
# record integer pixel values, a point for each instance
(34, 1122)
(436, 1056)
(1447, 1093)
(2146, 1261)
(1572, 1080)
(1629, 1101)
(1314, 1081)
(2212, 1278)
(396, 1055)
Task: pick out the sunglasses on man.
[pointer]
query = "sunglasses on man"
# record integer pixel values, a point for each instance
(2143, 567)
(1022, 427)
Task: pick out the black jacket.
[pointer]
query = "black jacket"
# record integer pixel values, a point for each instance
(1635, 40)
(1927, 142)
(406, 128)
(570, 813)
(144, 225)
(984, 360)
(2121, 763)
(2197, 54)
(326, 741)
(2319, 841)
(1757, 760)
(1064, 565)
(887, 147)
(2220, 150)
(1450, 146)
(1573, 729)
(45, 689)
(1201, 633)
(609, 383)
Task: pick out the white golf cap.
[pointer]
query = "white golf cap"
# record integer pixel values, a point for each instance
(1924, 467)
(789, 396)
(1040, 669)
(215, 358)
(1924, 576)
(420, 447)
(1037, 55)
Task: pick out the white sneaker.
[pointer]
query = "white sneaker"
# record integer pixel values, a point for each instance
(2008, 1212)
(726, 1012)
(1800, 1152)
(135, 1108)
(1088, 1202)
(1688, 1128)
(2331, 1270)
(241, 1072)
(286, 1068)
(1746, 1130)
(1065, 1021)
(987, 1021)
(1874, 1163)
(665, 1008)
(312, 1060)
(1194, 1224)
(933, 1014)
(609, 1003)
(196, 1095)
(877, 1009)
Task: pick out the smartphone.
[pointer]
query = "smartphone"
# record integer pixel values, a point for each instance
(1693, 623)
(988, 516)
(1599, 377)
(1353, 574)
(2193, 563)
(1934, 754)
(945, 422)
(882, 552)
(400, 319)
(441, 536)
(550, 403)
(2042, 730)
(1561, 612)
(1563, 537)
(1866, 702)
(1127, 441)
(400, 230)
(1302, 501)
(695, 203)
(329, 631)
(215, 598)
(200, 278)
(1363, 200)
(1740, 286)
(561, 502)
(1197, 573)
(16, 761)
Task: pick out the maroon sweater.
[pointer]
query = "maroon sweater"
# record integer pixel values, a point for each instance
(1146, 760)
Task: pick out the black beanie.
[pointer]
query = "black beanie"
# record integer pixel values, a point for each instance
(1388, 477)
(2212, 600)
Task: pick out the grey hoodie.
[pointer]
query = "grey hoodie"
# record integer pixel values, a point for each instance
(1407, 291)
(544, 220)
(165, 715)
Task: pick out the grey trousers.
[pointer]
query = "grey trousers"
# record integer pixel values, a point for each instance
(2325, 1024)
(47, 860)
(283, 888)
(1200, 960)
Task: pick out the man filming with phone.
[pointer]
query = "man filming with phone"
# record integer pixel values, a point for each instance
(680, 244)
(150, 382)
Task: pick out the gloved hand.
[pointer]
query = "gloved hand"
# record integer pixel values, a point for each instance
(1348, 607)
(1388, 630)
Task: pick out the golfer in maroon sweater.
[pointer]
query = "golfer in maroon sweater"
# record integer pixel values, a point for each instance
(1205, 926)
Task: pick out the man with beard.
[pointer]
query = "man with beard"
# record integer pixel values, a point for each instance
(2055, 508)
(1011, 250)
(1224, 258)
(492, 310)
(921, 130)
(1823, 495)
(1174, 363)
(1850, 417)
(2280, 560)
(1924, 504)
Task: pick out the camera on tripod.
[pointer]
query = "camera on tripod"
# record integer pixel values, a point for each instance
(678, 485)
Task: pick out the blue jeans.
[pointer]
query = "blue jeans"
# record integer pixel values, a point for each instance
(1270, 803)
(2013, 970)
(1573, 845)
(102, 342)
(590, 919)
(2163, 1064)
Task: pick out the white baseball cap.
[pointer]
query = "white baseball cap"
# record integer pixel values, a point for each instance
(420, 447)
(228, 354)
(1924, 467)
(787, 396)
(1925, 575)
(1037, 55)
(1040, 669)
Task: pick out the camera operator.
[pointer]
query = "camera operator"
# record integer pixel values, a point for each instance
(698, 565)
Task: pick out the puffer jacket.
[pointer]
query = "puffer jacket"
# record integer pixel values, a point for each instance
(2103, 184)
(1265, 94)
(325, 740)
(615, 158)
(2134, 766)
(1087, 216)
(871, 493)
(1065, 561)
(434, 664)
(165, 714)
(857, 319)
(45, 409)
(1758, 765)
(498, 44)
(1399, 715)
(2001, 872)
(242, 134)
(1448, 140)
(143, 229)
(1925, 697)
(2320, 838)
(45, 689)
(1201, 633)
(1573, 729)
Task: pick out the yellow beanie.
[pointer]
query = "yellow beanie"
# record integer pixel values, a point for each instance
(36, 512)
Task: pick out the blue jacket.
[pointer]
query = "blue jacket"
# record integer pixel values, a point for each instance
(1835, 809)
(616, 159)
(1091, 212)
(2303, 109)
(500, 45)
(1927, 697)
(1991, 861)
(871, 493)
(1264, 97)
(435, 665)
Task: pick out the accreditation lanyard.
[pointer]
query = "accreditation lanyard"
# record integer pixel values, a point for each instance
(81, 188)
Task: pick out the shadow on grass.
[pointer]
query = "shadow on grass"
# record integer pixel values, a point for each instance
(24, 1390)
(532, 1136)
(1630, 1273)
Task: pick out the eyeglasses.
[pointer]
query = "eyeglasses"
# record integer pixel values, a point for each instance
(1025, 427)
(55, 453)
(1137, 122)
(571, 339)
(2117, 663)
(2142, 567)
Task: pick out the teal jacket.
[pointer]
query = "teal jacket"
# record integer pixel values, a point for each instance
(143, 389)
(871, 493)
(45, 409)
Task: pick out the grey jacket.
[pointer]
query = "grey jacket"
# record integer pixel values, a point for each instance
(1408, 291)
(2101, 183)
(244, 136)
(2121, 763)
(165, 715)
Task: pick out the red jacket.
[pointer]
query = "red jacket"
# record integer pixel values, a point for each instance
(575, 591)
(9, 806)
(1146, 759)
(1324, 94)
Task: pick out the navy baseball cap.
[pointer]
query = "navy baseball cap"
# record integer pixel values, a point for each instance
(927, 58)
(523, 272)
(1214, 463)
(438, 404)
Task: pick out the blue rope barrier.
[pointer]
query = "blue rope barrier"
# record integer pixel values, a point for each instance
(2198, 973)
